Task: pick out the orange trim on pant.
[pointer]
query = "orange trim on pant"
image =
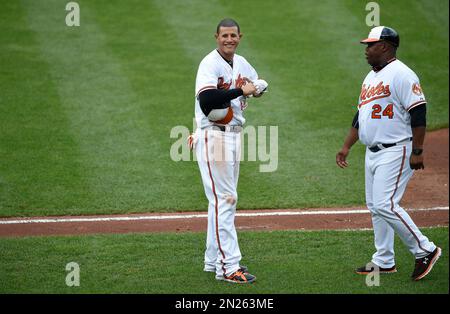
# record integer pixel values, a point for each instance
(215, 201)
(392, 201)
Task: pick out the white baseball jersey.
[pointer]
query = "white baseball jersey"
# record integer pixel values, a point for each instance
(214, 72)
(385, 99)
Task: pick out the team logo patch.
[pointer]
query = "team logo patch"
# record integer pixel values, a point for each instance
(417, 89)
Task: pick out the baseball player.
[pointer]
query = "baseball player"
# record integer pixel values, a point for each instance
(391, 122)
(223, 83)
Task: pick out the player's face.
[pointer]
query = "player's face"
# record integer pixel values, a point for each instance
(374, 53)
(227, 40)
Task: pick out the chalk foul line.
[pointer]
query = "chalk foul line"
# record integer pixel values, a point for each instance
(194, 216)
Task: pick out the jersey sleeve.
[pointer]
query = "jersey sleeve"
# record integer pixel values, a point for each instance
(207, 76)
(410, 91)
(253, 74)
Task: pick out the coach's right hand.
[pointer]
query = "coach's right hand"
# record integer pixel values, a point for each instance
(341, 157)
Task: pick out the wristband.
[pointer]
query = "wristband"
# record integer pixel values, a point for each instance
(417, 151)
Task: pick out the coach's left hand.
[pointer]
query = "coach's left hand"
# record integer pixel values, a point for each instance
(416, 162)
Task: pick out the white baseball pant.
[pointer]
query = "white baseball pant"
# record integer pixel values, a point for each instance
(218, 157)
(387, 173)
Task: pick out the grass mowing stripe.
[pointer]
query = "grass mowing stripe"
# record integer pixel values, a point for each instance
(432, 46)
(98, 100)
(160, 73)
(39, 155)
(436, 13)
(283, 261)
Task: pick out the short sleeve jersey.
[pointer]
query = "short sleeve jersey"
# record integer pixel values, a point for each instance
(216, 73)
(384, 103)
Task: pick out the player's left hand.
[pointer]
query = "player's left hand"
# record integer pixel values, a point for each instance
(260, 85)
(416, 162)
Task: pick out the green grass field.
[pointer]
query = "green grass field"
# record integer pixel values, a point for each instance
(86, 112)
(295, 262)
(85, 120)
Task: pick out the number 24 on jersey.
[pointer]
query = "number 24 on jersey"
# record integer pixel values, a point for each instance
(387, 112)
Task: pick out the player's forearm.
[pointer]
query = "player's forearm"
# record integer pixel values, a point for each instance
(418, 125)
(418, 136)
(351, 139)
(352, 136)
(217, 98)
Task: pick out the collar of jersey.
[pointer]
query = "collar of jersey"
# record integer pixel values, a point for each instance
(381, 67)
(230, 63)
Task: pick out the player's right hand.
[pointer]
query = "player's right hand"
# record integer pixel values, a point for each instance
(248, 89)
(341, 157)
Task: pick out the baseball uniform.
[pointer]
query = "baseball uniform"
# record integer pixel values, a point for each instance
(386, 98)
(218, 149)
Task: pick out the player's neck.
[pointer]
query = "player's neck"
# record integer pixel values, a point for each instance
(228, 59)
(384, 63)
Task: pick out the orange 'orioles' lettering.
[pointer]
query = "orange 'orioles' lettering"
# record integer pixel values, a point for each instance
(369, 93)
(240, 81)
(222, 85)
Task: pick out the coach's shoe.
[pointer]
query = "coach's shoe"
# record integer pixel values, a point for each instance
(365, 270)
(425, 264)
(238, 277)
(212, 269)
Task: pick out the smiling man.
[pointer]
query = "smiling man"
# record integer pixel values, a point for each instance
(391, 122)
(224, 81)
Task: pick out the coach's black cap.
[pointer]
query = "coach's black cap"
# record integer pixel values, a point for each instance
(380, 33)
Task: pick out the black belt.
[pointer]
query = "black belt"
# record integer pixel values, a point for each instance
(220, 127)
(377, 148)
(227, 128)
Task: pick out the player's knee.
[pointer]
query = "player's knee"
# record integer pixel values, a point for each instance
(382, 205)
(231, 198)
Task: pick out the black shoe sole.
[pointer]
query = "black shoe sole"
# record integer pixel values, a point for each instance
(380, 271)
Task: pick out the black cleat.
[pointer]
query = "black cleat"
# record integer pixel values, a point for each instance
(371, 267)
(425, 264)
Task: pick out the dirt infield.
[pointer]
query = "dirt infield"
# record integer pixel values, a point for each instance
(427, 198)
(429, 187)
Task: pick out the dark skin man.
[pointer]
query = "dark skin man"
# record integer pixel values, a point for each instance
(379, 54)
